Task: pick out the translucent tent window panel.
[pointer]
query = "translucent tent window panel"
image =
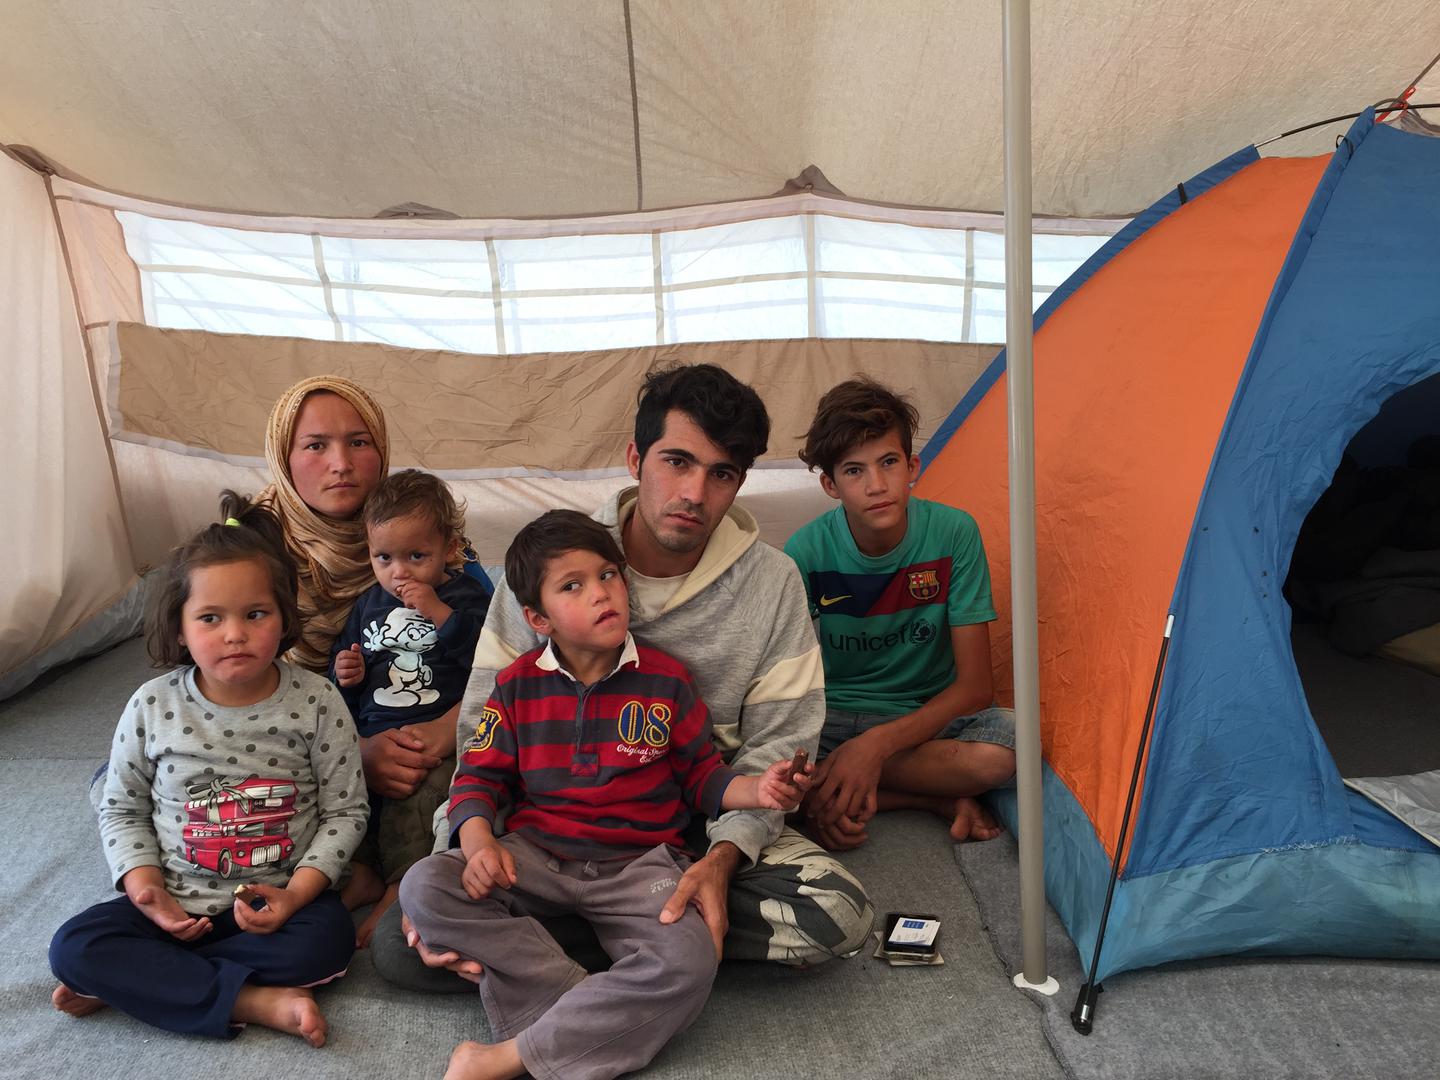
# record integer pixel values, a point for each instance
(844, 245)
(163, 243)
(569, 263)
(725, 252)
(587, 321)
(430, 265)
(760, 309)
(416, 321)
(790, 275)
(236, 305)
(878, 309)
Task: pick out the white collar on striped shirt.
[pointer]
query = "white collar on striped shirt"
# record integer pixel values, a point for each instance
(548, 661)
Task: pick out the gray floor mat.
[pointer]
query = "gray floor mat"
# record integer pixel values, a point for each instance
(855, 1018)
(1275, 1018)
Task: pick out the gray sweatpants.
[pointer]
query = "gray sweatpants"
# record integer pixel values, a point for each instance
(568, 1024)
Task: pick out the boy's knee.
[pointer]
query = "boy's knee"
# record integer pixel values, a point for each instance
(994, 764)
(691, 956)
(439, 872)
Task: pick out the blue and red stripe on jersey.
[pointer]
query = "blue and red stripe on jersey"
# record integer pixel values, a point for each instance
(863, 595)
(604, 771)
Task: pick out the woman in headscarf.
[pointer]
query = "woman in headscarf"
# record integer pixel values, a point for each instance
(327, 449)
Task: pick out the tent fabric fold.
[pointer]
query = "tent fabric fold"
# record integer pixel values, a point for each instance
(70, 549)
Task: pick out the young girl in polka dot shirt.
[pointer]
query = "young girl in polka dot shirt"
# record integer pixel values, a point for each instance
(233, 802)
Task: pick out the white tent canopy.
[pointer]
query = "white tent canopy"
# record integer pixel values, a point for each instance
(496, 111)
(562, 107)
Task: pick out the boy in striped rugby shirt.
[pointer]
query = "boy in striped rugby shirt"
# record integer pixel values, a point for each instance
(603, 747)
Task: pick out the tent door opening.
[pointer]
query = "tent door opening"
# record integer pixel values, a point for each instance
(1364, 589)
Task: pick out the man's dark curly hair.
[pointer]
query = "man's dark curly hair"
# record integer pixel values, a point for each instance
(729, 412)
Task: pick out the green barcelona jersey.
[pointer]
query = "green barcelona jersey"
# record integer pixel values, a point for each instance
(884, 620)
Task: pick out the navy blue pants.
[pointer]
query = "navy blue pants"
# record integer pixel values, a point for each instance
(113, 952)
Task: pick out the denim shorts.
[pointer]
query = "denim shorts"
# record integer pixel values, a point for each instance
(992, 725)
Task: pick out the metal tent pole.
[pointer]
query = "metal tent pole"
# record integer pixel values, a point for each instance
(1019, 370)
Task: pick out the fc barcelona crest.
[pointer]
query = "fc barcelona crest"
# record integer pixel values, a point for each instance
(924, 584)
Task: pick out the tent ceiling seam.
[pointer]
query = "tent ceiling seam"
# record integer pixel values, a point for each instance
(319, 250)
(634, 110)
(811, 285)
(657, 284)
(692, 218)
(493, 257)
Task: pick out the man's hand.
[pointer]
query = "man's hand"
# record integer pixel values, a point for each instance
(160, 907)
(451, 961)
(842, 834)
(846, 782)
(280, 904)
(350, 666)
(706, 885)
(487, 867)
(395, 762)
(436, 736)
(422, 598)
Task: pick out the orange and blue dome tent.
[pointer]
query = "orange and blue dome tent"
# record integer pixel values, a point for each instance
(1196, 383)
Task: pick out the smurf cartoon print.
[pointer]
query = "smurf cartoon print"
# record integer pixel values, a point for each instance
(409, 635)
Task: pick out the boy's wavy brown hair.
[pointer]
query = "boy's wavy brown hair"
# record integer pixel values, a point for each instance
(552, 534)
(412, 492)
(854, 412)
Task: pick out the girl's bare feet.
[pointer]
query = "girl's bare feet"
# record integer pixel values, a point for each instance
(284, 1008)
(73, 1004)
(366, 929)
(476, 1061)
(364, 887)
(972, 822)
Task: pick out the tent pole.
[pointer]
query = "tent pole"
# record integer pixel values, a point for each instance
(1082, 1016)
(1019, 364)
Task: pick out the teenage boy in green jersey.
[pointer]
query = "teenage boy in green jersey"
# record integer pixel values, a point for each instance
(900, 592)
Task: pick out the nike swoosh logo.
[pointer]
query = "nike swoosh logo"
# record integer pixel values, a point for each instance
(826, 601)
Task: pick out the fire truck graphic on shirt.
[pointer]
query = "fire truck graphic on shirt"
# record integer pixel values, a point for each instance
(239, 823)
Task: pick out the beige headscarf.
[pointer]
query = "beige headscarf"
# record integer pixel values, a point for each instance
(330, 554)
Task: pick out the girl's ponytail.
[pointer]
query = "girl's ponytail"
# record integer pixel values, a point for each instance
(245, 531)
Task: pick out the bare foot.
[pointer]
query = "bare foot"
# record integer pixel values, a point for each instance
(366, 930)
(972, 822)
(476, 1061)
(284, 1008)
(364, 887)
(73, 1004)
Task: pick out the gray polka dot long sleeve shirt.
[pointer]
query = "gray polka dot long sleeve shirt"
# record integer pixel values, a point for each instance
(215, 796)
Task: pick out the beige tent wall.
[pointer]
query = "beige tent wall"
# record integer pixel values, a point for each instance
(514, 435)
(70, 555)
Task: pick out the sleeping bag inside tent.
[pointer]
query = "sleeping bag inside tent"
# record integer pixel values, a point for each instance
(1196, 383)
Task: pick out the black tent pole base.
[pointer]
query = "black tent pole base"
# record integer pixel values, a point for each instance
(1082, 1017)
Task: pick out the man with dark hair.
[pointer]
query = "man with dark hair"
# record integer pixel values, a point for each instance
(707, 590)
(729, 412)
